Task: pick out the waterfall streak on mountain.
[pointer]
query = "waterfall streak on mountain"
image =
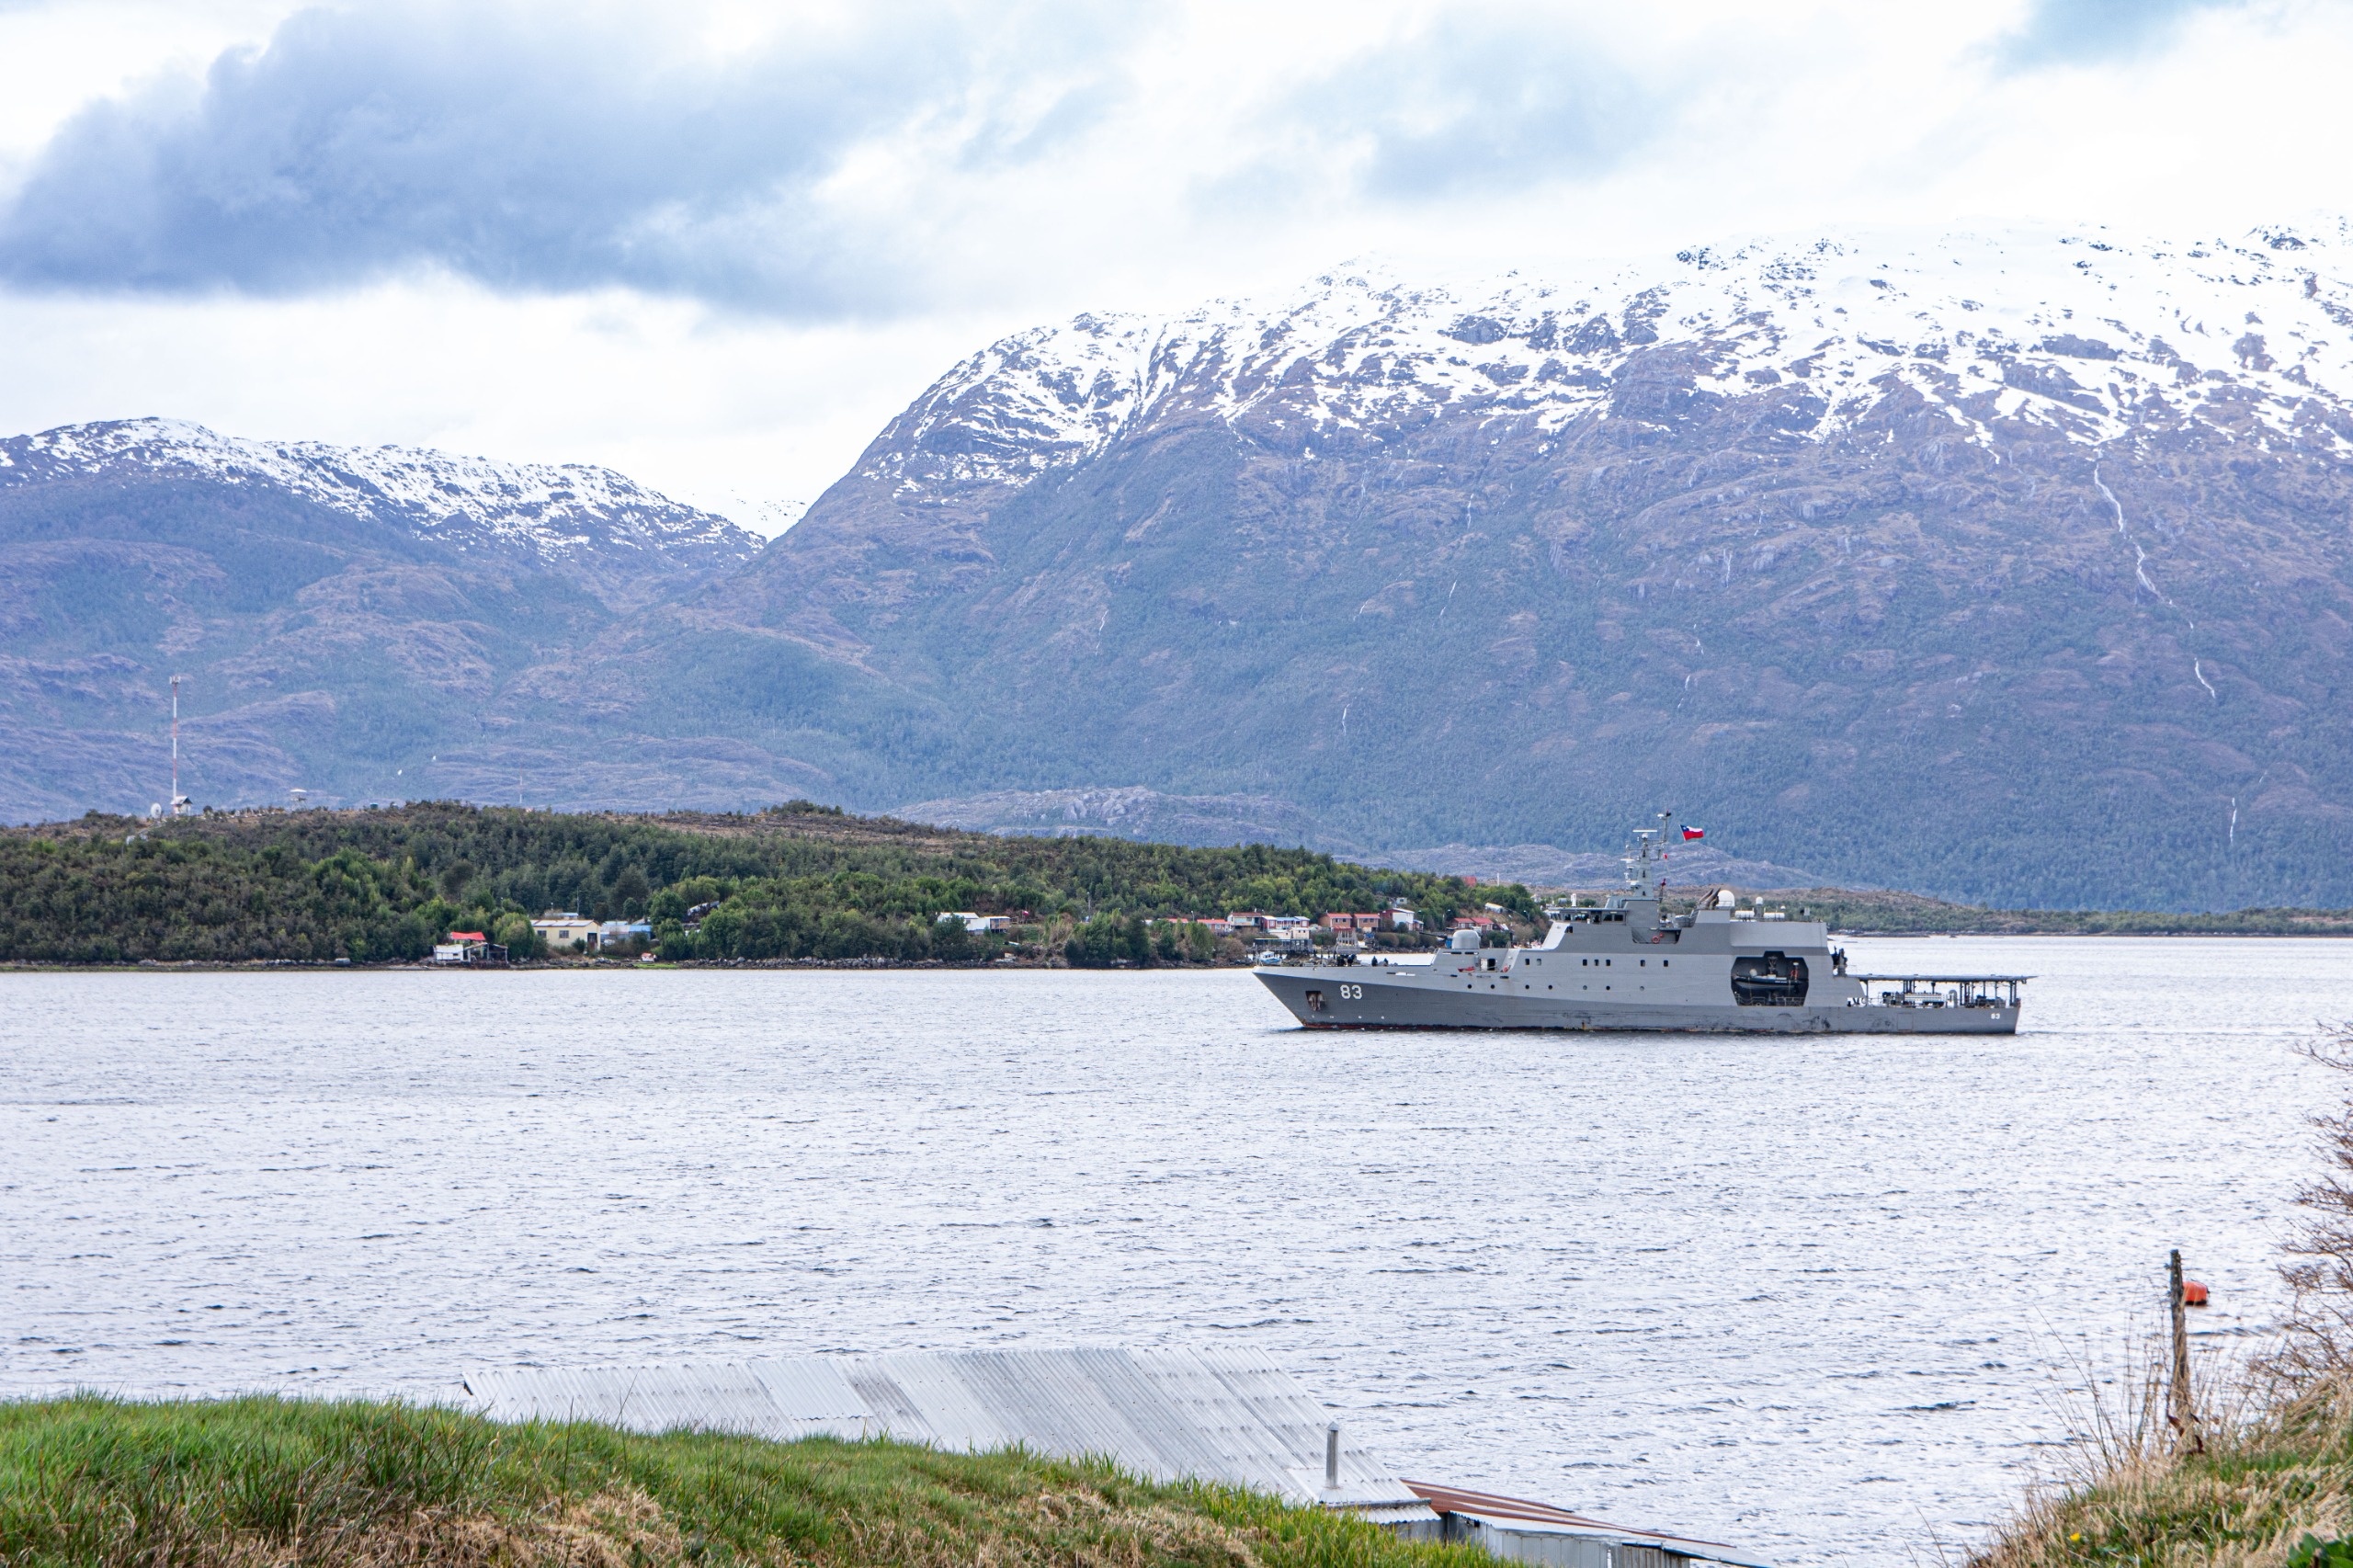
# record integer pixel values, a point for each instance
(2140, 556)
(2141, 574)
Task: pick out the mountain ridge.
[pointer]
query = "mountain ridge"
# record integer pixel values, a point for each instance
(2010, 568)
(556, 511)
(1873, 480)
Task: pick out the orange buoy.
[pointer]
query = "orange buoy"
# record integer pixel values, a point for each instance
(2193, 1294)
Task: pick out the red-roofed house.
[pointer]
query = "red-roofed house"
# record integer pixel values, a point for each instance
(467, 946)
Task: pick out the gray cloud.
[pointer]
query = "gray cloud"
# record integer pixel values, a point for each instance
(1473, 102)
(526, 149)
(2088, 31)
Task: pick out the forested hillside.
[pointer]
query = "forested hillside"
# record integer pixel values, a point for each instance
(796, 881)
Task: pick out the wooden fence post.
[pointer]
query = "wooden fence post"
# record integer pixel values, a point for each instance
(2181, 1409)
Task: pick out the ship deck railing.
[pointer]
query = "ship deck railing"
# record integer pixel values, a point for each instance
(1930, 990)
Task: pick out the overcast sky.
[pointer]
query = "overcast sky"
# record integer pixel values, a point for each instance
(717, 247)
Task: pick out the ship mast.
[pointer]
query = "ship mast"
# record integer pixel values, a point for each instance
(1647, 874)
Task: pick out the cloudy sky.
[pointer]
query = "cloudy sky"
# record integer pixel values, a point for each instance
(717, 246)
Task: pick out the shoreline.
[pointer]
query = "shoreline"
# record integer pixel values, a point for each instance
(980, 966)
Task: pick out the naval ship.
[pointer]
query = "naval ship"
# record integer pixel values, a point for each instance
(1624, 965)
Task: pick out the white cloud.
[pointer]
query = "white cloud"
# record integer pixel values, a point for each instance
(718, 411)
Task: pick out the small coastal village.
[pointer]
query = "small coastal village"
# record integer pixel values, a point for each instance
(567, 933)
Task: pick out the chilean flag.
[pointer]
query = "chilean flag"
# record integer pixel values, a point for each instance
(1692, 832)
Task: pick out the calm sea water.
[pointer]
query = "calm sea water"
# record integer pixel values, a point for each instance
(1821, 1298)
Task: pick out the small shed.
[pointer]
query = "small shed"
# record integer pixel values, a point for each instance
(1522, 1531)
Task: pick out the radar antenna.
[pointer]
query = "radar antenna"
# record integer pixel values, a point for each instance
(1646, 862)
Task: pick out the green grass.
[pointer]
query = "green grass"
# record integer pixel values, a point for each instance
(255, 1480)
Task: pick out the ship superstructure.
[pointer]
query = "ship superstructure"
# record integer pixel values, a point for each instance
(1625, 965)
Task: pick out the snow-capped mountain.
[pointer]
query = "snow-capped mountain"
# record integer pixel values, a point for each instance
(341, 618)
(2038, 538)
(566, 514)
(2014, 566)
(2099, 338)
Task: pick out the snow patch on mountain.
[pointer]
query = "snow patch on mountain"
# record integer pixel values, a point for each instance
(2102, 340)
(768, 517)
(556, 511)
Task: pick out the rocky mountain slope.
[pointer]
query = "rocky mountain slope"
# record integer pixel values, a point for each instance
(2013, 568)
(1212, 820)
(340, 614)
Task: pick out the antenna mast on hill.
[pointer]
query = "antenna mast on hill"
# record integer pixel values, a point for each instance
(180, 801)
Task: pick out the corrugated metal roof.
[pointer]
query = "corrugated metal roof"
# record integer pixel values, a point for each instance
(946, 1411)
(710, 1396)
(1521, 1514)
(1195, 1389)
(1228, 1416)
(811, 1390)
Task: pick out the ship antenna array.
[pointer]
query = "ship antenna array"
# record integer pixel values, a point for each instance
(1639, 866)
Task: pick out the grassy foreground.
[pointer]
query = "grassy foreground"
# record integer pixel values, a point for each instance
(244, 1482)
(2271, 1478)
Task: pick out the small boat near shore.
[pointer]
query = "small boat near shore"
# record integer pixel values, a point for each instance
(1626, 965)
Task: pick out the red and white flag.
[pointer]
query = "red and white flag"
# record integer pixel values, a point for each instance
(1692, 832)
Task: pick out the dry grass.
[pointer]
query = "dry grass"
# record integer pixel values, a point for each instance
(2277, 1467)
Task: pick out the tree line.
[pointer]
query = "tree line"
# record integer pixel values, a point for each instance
(795, 881)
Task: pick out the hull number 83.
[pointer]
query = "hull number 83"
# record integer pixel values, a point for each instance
(1351, 993)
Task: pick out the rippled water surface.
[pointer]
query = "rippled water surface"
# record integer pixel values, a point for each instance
(1815, 1297)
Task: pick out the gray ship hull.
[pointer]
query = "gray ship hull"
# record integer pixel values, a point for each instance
(1719, 967)
(1358, 998)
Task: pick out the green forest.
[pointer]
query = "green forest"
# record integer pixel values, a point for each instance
(795, 881)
